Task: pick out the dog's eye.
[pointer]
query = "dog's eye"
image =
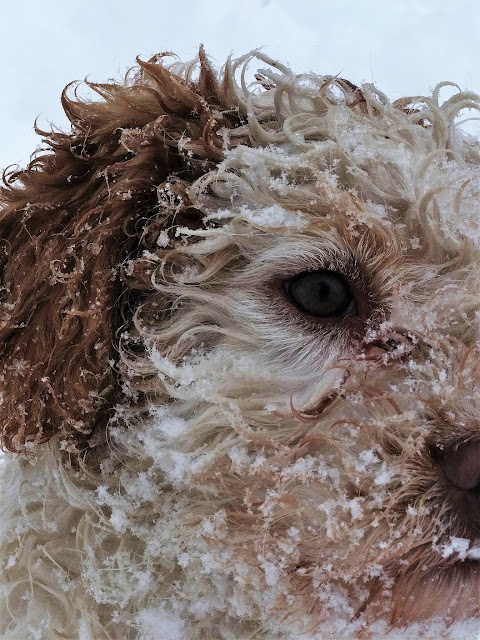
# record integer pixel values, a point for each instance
(322, 293)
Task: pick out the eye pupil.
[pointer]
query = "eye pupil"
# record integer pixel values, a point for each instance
(322, 293)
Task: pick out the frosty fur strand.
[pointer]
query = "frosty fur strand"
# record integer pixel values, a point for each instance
(248, 472)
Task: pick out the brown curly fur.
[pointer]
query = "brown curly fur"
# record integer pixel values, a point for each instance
(68, 220)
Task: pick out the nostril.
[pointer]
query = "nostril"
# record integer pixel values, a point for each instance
(461, 465)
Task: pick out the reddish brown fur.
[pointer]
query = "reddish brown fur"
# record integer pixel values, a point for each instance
(65, 227)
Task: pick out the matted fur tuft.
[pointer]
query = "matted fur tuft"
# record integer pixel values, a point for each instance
(241, 469)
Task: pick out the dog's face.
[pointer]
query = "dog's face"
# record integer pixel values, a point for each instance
(337, 338)
(297, 447)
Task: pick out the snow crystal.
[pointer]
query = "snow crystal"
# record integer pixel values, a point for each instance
(366, 459)
(84, 631)
(11, 562)
(302, 469)
(273, 216)
(119, 520)
(210, 562)
(158, 622)
(355, 508)
(474, 554)
(34, 633)
(239, 457)
(384, 475)
(215, 526)
(272, 573)
(162, 240)
(270, 408)
(457, 546)
(167, 423)
(415, 243)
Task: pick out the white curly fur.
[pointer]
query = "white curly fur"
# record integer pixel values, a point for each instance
(282, 487)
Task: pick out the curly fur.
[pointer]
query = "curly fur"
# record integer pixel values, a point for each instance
(195, 457)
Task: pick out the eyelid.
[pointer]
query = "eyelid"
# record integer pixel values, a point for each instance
(341, 262)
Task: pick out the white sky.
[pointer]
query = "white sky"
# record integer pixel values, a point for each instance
(404, 46)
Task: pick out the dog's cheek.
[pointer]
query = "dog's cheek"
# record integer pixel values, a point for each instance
(318, 388)
(301, 375)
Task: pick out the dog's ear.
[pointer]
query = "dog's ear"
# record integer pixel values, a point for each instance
(67, 223)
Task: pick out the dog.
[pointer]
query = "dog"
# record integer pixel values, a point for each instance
(240, 362)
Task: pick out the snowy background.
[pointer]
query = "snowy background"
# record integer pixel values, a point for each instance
(405, 46)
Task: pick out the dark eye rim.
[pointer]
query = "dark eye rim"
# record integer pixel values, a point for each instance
(350, 308)
(370, 305)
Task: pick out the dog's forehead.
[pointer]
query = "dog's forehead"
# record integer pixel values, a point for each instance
(425, 200)
(325, 154)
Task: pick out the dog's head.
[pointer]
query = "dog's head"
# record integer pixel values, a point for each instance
(253, 312)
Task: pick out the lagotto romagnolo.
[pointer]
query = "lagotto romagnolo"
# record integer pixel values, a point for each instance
(239, 332)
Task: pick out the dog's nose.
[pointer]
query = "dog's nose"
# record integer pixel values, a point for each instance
(461, 466)
(461, 471)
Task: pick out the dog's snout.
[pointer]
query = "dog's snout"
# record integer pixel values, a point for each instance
(461, 466)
